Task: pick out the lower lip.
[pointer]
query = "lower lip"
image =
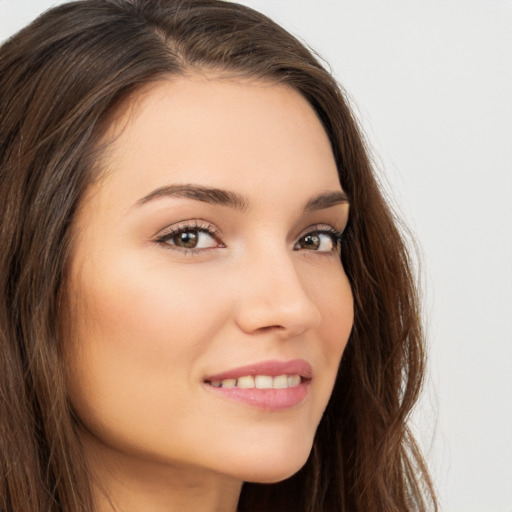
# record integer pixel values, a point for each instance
(266, 399)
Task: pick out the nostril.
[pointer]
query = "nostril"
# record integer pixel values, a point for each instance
(270, 328)
(276, 301)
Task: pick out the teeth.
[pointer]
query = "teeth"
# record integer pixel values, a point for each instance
(293, 380)
(245, 382)
(263, 382)
(228, 383)
(259, 382)
(281, 382)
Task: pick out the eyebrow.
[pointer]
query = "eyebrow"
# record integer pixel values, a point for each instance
(326, 200)
(198, 193)
(236, 201)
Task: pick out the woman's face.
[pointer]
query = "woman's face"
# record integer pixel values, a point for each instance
(206, 263)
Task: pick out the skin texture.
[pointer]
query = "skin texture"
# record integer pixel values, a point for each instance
(151, 320)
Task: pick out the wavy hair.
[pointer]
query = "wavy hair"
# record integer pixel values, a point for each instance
(60, 79)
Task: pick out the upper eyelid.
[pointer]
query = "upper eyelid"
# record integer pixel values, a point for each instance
(193, 224)
(163, 237)
(320, 228)
(212, 230)
(328, 229)
(208, 227)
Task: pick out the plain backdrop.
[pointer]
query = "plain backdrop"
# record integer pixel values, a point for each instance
(431, 82)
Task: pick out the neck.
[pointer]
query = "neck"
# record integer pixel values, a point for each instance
(177, 492)
(134, 484)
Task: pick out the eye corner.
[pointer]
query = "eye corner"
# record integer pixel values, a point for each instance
(315, 242)
(194, 232)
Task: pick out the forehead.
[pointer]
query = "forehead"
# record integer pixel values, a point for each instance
(221, 132)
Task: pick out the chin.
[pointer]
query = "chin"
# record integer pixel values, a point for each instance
(272, 475)
(275, 467)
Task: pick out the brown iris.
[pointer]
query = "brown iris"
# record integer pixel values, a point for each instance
(187, 239)
(309, 242)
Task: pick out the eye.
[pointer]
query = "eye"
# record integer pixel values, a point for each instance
(320, 240)
(191, 237)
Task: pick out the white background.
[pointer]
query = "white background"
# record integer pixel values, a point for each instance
(432, 84)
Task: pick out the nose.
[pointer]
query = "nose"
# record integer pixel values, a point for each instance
(273, 296)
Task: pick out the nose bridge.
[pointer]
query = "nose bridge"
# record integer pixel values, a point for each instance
(275, 296)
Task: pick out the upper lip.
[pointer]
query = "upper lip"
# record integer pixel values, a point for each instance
(272, 368)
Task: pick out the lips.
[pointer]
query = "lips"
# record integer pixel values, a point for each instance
(270, 368)
(269, 385)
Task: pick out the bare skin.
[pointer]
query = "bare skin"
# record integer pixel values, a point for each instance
(171, 285)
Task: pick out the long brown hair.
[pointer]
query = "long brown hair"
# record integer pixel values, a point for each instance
(60, 78)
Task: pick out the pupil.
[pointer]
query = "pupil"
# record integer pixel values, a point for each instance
(312, 241)
(187, 239)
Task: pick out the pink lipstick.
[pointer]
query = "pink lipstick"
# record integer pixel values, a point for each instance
(268, 385)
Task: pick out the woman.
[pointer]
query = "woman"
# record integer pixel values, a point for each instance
(191, 319)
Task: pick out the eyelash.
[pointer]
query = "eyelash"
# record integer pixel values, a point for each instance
(199, 227)
(336, 237)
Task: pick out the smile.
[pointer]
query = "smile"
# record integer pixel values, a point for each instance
(270, 385)
(259, 382)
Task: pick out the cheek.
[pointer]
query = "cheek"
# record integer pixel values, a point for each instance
(147, 311)
(340, 317)
(335, 300)
(139, 330)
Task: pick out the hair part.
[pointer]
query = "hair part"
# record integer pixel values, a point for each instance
(62, 79)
